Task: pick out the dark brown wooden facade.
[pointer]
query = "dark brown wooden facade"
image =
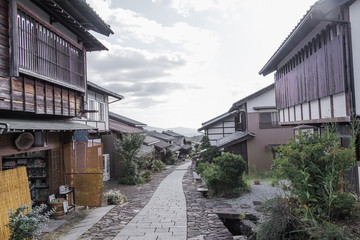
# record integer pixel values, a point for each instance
(51, 79)
(317, 70)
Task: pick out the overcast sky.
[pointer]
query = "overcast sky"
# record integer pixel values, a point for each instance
(183, 62)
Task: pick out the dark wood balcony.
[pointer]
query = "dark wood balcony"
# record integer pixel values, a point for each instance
(47, 54)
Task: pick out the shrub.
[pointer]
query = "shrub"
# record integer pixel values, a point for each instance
(200, 167)
(127, 148)
(225, 176)
(157, 166)
(25, 222)
(281, 221)
(146, 161)
(342, 205)
(114, 197)
(315, 165)
(145, 177)
(170, 159)
(328, 231)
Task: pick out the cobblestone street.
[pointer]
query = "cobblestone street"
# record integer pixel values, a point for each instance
(168, 207)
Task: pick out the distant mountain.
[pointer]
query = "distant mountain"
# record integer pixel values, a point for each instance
(187, 132)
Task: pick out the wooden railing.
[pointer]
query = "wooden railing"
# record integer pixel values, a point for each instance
(45, 52)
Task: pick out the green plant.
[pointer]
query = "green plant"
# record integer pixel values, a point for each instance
(205, 143)
(200, 167)
(210, 154)
(281, 221)
(114, 197)
(225, 176)
(327, 231)
(25, 222)
(316, 166)
(146, 161)
(157, 166)
(170, 159)
(343, 205)
(127, 148)
(145, 176)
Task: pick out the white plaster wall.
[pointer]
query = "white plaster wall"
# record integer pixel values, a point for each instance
(265, 99)
(306, 113)
(229, 124)
(281, 115)
(339, 101)
(298, 112)
(355, 38)
(229, 130)
(215, 130)
(286, 112)
(291, 110)
(314, 109)
(325, 107)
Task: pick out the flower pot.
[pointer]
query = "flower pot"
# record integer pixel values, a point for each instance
(257, 182)
(59, 211)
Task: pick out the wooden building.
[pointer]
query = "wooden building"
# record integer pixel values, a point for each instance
(43, 86)
(317, 76)
(250, 128)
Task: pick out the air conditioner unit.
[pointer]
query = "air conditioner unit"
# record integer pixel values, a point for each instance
(106, 171)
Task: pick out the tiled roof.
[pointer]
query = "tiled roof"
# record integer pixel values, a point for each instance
(234, 138)
(150, 140)
(145, 150)
(175, 148)
(173, 134)
(125, 120)
(162, 144)
(160, 136)
(41, 125)
(121, 127)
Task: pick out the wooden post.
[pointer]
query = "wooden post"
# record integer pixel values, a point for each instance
(14, 51)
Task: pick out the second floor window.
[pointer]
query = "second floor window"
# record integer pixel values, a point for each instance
(45, 51)
(268, 120)
(240, 122)
(99, 107)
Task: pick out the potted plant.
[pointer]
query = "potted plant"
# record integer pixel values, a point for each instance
(58, 204)
(114, 197)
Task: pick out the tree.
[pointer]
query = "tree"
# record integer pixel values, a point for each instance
(127, 148)
(205, 143)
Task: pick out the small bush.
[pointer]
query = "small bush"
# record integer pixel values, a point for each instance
(328, 231)
(129, 179)
(25, 222)
(225, 176)
(114, 197)
(157, 166)
(281, 221)
(170, 159)
(343, 205)
(145, 177)
(200, 167)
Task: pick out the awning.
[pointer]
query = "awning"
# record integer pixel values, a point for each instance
(233, 139)
(15, 125)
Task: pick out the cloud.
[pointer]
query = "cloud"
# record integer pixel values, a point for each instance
(150, 89)
(131, 64)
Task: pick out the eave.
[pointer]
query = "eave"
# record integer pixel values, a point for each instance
(309, 21)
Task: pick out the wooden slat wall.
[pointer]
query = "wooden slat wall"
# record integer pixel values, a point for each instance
(4, 39)
(34, 95)
(316, 71)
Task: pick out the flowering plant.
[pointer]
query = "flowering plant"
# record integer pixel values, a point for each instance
(115, 197)
(25, 222)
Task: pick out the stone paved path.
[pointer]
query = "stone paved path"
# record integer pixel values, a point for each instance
(164, 217)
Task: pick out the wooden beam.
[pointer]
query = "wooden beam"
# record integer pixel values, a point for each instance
(14, 66)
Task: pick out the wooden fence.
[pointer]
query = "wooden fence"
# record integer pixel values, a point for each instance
(14, 191)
